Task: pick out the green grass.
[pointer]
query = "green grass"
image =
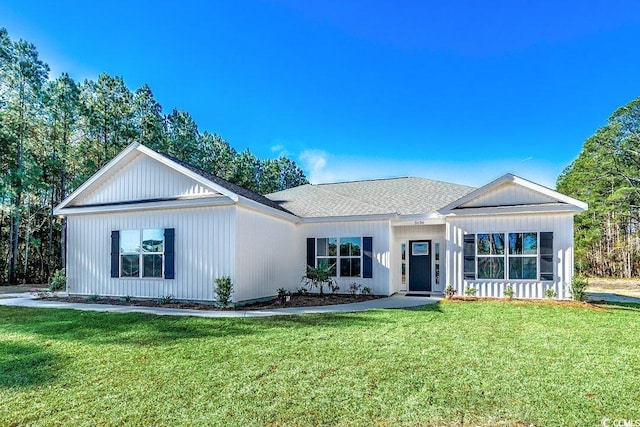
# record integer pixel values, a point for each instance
(477, 363)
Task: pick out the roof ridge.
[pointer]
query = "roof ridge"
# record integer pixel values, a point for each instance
(362, 180)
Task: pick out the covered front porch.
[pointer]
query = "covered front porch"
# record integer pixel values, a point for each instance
(418, 257)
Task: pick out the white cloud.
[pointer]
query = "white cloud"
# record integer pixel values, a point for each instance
(314, 163)
(279, 150)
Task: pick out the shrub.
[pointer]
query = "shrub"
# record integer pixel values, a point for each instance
(127, 298)
(302, 291)
(318, 277)
(58, 280)
(550, 293)
(578, 286)
(366, 291)
(449, 291)
(355, 288)
(333, 286)
(224, 290)
(94, 297)
(166, 299)
(509, 292)
(470, 291)
(283, 295)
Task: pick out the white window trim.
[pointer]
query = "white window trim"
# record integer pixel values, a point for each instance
(506, 256)
(338, 257)
(140, 255)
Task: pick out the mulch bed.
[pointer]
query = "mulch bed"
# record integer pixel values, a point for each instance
(308, 300)
(571, 303)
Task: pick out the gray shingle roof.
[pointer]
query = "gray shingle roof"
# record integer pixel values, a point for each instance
(234, 188)
(404, 196)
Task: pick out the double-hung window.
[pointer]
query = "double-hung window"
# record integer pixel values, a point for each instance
(490, 253)
(327, 253)
(343, 255)
(142, 253)
(523, 256)
(350, 256)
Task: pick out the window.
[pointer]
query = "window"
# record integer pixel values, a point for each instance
(350, 253)
(343, 255)
(141, 253)
(490, 249)
(403, 252)
(327, 253)
(436, 251)
(523, 256)
(519, 252)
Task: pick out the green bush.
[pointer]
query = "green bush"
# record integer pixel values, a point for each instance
(224, 290)
(366, 291)
(94, 297)
(471, 291)
(578, 286)
(318, 277)
(550, 293)
(449, 291)
(509, 292)
(166, 299)
(58, 280)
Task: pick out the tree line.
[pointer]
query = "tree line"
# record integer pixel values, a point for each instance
(606, 175)
(56, 133)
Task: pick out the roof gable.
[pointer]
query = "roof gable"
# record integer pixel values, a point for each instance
(139, 174)
(510, 193)
(140, 177)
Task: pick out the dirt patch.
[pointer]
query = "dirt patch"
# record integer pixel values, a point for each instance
(309, 300)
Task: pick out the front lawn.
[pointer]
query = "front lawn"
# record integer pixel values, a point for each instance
(466, 363)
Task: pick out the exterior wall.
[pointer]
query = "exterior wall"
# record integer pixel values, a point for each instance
(204, 250)
(143, 178)
(508, 194)
(402, 234)
(560, 224)
(378, 230)
(266, 255)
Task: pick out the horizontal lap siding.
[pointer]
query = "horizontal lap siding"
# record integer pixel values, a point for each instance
(144, 178)
(203, 242)
(560, 224)
(264, 261)
(378, 230)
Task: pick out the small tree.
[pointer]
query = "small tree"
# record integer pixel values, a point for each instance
(578, 286)
(224, 290)
(318, 277)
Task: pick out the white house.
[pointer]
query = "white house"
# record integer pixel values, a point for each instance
(147, 225)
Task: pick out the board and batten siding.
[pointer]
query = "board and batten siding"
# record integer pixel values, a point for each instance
(264, 261)
(508, 194)
(379, 231)
(144, 178)
(560, 224)
(204, 250)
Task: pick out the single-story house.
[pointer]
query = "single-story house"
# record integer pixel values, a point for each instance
(147, 225)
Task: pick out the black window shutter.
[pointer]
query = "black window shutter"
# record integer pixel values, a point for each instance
(311, 252)
(367, 257)
(469, 255)
(546, 256)
(115, 254)
(169, 253)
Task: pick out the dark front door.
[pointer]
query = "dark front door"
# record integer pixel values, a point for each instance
(420, 265)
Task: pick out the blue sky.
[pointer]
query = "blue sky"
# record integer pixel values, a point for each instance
(462, 91)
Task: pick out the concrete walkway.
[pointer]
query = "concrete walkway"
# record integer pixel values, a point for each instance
(610, 297)
(395, 301)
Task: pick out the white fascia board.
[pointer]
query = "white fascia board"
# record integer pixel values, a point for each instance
(506, 210)
(419, 219)
(375, 217)
(103, 170)
(516, 180)
(259, 207)
(166, 204)
(196, 177)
